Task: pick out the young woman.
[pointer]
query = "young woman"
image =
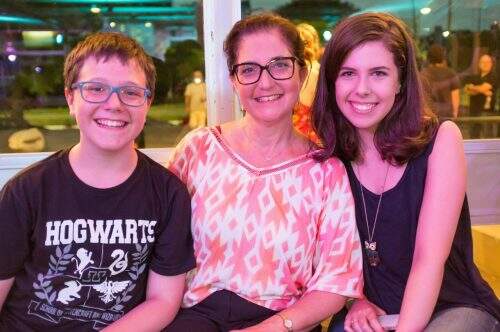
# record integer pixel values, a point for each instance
(408, 177)
(274, 230)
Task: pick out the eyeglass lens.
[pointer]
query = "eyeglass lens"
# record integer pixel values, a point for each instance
(95, 92)
(279, 69)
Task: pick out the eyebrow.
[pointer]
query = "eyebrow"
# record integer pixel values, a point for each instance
(371, 69)
(275, 58)
(103, 80)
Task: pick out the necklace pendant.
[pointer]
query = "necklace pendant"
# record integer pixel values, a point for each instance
(371, 253)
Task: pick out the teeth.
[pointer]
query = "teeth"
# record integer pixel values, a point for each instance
(363, 107)
(268, 98)
(111, 123)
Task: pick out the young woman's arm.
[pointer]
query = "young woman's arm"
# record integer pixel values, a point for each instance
(5, 286)
(163, 299)
(441, 206)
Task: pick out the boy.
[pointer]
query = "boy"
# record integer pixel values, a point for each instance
(98, 235)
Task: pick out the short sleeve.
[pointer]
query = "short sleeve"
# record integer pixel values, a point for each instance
(14, 221)
(338, 259)
(189, 90)
(173, 253)
(192, 150)
(178, 161)
(455, 82)
(493, 81)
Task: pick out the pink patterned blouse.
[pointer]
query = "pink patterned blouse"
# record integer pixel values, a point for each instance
(269, 234)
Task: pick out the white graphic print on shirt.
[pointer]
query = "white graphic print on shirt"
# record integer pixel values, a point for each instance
(81, 284)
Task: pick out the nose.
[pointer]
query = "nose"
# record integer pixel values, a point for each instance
(363, 86)
(266, 81)
(113, 101)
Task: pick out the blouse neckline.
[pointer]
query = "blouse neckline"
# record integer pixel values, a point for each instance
(251, 168)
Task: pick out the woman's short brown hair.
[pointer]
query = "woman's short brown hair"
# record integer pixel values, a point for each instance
(258, 23)
(408, 126)
(104, 45)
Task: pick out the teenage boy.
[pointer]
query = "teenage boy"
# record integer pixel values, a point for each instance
(97, 236)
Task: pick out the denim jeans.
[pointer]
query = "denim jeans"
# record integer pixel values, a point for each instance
(459, 319)
(462, 319)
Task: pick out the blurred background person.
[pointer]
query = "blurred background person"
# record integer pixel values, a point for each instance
(481, 89)
(312, 51)
(195, 98)
(441, 83)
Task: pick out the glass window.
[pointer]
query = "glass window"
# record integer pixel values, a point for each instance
(35, 36)
(467, 33)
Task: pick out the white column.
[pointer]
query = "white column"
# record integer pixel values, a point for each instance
(218, 18)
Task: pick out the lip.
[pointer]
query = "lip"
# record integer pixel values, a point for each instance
(110, 123)
(268, 98)
(362, 107)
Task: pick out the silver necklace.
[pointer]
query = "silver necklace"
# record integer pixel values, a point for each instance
(370, 245)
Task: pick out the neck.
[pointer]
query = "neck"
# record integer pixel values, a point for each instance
(267, 135)
(102, 169)
(369, 153)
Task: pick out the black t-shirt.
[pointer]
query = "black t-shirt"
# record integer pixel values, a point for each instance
(81, 255)
(477, 102)
(438, 83)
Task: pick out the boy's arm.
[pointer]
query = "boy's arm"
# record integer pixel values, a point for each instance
(163, 299)
(5, 286)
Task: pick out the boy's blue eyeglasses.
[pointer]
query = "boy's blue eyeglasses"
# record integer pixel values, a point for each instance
(96, 92)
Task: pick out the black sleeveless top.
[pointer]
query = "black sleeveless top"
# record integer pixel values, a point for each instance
(395, 235)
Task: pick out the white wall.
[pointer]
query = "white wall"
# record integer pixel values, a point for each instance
(483, 168)
(483, 180)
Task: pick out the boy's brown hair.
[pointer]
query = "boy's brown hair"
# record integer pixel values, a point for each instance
(104, 45)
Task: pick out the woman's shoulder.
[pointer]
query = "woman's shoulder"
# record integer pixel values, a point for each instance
(447, 135)
(333, 169)
(446, 149)
(196, 137)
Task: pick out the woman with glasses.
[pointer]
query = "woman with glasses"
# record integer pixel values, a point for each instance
(275, 242)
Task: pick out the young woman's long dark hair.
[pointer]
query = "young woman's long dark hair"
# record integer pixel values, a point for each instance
(409, 125)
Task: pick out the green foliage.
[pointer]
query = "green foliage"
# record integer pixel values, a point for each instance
(329, 12)
(48, 82)
(181, 59)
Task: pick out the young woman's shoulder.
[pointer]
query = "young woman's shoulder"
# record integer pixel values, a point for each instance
(448, 151)
(448, 136)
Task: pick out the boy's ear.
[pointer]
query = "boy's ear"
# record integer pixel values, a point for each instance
(70, 98)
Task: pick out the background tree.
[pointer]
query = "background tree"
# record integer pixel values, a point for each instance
(181, 59)
(321, 14)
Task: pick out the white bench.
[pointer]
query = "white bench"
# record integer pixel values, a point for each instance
(483, 174)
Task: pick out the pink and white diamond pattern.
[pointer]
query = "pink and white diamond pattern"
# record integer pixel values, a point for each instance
(269, 235)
